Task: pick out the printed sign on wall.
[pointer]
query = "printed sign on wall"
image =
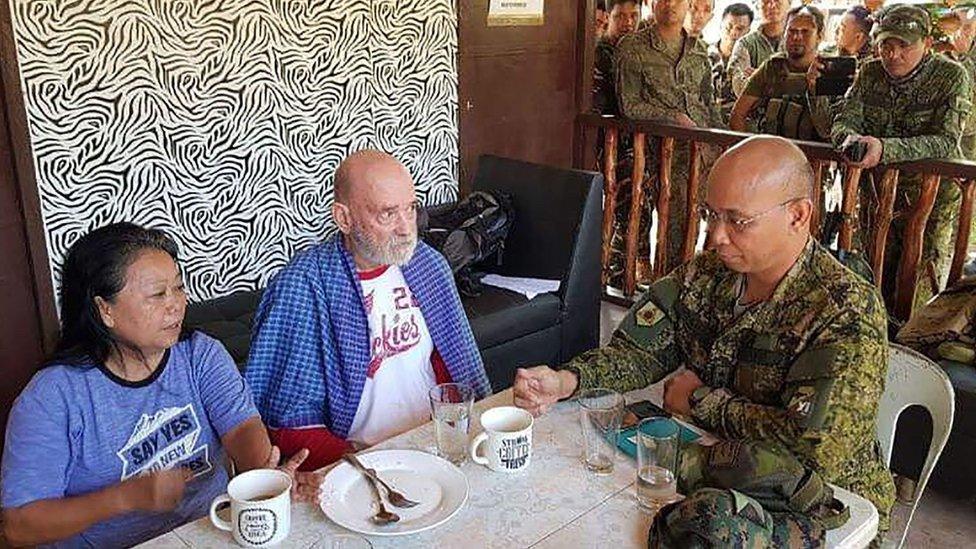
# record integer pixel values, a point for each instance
(513, 13)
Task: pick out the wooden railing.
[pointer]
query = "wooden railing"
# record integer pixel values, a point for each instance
(934, 173)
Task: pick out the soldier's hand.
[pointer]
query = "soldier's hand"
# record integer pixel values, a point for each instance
(813, 73)
(683, 119)
(677, 392)
(872, 157)
(536, 389)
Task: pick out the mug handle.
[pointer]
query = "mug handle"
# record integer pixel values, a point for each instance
(217, 521)
(475, 444)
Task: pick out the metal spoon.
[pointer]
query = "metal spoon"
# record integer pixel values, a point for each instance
(396, 498)
(383, 516)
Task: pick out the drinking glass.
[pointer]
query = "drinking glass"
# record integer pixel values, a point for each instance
(450, 408)
(601, 411)
(657, 462)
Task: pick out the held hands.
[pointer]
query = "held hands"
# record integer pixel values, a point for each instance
(677, 392)
(306, 486)
(536, 389)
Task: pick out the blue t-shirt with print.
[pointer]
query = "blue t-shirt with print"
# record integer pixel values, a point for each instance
(76, 430)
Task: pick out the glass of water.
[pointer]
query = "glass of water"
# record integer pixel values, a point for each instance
(601, 411)
(450, 408)
(657, 462)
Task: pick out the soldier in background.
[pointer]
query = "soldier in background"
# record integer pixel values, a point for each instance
(779, 341)
(853, 35)
(663, 75)
(759, 45)
(600, 20)
(909, 104)
(699, 14)
(736, 20)
(962, 52)
(777, 91)
(623, 18)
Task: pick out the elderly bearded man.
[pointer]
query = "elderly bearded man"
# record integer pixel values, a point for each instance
(351, 335)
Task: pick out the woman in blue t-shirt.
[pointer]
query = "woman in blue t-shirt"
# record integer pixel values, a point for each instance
(122, 435)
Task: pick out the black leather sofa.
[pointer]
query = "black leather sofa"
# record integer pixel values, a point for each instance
(556, 235)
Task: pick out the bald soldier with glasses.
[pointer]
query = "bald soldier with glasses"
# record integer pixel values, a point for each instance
(779, 342)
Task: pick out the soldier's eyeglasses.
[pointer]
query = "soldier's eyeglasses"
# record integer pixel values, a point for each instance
(737, 223)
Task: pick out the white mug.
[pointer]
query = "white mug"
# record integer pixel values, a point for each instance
(508, 437)
(260, 508)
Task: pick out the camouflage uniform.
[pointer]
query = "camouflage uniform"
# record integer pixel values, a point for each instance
(728, 518)
(968, 141)
(784, 108)
(605, 102)
(804, 369)
(917, 117)
(721, 83)
(658, 81)
(749, 52)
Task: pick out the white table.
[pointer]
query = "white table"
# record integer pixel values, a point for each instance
(555, 504)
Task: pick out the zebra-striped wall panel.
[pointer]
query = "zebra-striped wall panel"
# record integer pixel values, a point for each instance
(222, 121)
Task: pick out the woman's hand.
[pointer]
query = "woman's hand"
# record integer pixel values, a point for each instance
(306, 486)
(156, 492)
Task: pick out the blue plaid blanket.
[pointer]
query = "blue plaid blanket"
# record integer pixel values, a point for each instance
(310, 345)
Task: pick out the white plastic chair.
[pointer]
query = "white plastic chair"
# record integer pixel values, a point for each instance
(913, 379)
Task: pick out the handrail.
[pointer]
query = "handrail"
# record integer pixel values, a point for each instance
(933, 172)
(814, 150)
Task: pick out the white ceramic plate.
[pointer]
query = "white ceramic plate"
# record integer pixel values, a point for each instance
(439, 486)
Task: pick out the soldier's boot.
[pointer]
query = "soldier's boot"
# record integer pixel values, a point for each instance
(713, 518)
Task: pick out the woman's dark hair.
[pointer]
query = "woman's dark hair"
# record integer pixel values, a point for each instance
(95, 267)
(810, 11)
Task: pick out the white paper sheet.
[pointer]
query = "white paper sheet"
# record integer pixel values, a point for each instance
(529, 287)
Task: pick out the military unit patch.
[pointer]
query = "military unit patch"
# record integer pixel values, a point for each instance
(649, 315)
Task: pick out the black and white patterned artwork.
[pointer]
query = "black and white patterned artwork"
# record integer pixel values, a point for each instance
(222, 121)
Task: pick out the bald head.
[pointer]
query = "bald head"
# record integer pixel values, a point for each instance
(366, 170)
(765, 164)
(376, 209)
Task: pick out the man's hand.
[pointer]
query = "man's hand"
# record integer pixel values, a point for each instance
(813, 73)
(873, 155)
(677, 392)
(536, 389)
(306, 486)
(156, 492)
(683, 119)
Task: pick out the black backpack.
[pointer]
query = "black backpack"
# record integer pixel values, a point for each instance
(469, 232)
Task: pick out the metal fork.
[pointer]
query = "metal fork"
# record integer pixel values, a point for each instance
(396, 498)
(383, 516)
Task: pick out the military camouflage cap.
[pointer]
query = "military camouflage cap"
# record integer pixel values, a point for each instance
(906, 23)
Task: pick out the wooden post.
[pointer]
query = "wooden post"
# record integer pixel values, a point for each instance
(886, 210)
(962, 232)
(633, 221)
(851, 179)
(609, 196)
(912, 248)
(666, 156)
(817, 211)
(691, 213)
